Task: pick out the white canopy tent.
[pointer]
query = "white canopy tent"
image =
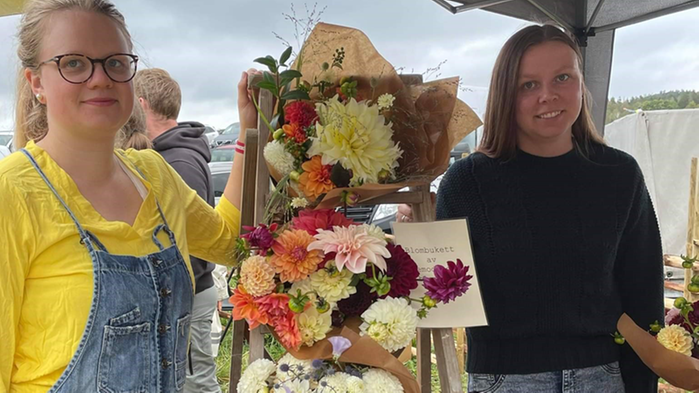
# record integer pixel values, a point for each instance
(663, 143)
(592, 21)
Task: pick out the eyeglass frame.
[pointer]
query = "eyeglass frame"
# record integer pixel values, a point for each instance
(57, 60)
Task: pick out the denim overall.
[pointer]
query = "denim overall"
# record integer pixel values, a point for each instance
(137, 332)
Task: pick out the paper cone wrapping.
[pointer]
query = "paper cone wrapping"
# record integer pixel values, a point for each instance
(428, 119)
(364, 350)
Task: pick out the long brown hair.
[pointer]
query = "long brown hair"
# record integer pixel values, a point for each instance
(30, 114)
(500, 124)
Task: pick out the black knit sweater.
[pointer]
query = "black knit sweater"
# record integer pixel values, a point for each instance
(563, 246)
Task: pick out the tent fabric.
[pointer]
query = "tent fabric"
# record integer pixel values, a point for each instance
(663, 143)
(611, 11)
(575, 15)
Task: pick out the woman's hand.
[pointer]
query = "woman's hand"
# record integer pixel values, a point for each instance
(405, 212)
(677, 369)
(246, 108)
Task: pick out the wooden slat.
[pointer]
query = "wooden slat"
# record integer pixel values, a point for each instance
(444, 349)
(676, 261)
(424, 354)
(460, 348)
(674, 286)
(257, 345)
(238, 338)
(691, 220)
(266, 104)
(394, 198)
(247, 217)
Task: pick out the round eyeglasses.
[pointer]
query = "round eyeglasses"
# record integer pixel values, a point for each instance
(77, 69)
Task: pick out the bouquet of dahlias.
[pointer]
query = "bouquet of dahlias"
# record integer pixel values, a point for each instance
(316, 376)
(319, 274)
(681, 333)
(346, 128)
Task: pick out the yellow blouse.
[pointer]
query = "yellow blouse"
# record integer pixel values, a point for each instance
(46, 274)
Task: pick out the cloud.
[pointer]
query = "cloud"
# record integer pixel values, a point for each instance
(206, 45)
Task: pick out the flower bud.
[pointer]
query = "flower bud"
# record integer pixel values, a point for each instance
(278, 134)
(294, 176)
(383, 288)
(694, 288)
(298, 304)
(619, 339)
(351, 198)
(322, 306)
(325, 66)
(680, 302)
(384, 175)
(655, 327)
(428, 302)
(373, 82)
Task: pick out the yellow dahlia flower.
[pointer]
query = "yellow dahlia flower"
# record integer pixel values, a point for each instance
(676, 338)
(357, 136)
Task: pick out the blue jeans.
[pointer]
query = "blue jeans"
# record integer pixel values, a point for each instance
(599, 379)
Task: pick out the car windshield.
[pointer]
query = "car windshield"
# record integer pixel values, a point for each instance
(231, 129)
(221, 155)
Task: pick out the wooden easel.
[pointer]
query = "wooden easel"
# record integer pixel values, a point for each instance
(256, 191)
(692, 244)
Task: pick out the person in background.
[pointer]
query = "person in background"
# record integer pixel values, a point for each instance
(186, 149)
(133, 134)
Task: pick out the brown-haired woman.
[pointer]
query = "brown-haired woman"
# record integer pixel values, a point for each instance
(564, 233)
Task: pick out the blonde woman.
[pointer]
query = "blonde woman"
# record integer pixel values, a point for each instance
(96, 285)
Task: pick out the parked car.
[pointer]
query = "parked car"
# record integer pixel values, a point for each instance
(219, 177)
(210, 134)
(227, 136)
(6, 138)
(4, 151)
(223, 153)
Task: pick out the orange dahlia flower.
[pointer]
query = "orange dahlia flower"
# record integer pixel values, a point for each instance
(244, 307)
(291, 258)
(315, 179)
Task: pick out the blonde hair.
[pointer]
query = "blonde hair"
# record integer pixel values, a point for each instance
(500, 124)
(133, 134)
(30, 116)
(163, 93)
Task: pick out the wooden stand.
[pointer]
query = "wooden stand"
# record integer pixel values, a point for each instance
(692, 246)
(256, 191)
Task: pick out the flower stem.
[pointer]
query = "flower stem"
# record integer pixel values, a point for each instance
(262, 115)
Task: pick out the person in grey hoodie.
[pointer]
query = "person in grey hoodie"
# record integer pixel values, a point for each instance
(185, 147)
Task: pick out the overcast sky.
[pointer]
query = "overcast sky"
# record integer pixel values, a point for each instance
(206, 44)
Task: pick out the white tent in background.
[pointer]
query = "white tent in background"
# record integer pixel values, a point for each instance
(663, 143)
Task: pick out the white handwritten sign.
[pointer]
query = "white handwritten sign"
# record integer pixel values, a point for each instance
(435, 243)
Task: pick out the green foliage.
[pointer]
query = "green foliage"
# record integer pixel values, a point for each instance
(676, 99)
